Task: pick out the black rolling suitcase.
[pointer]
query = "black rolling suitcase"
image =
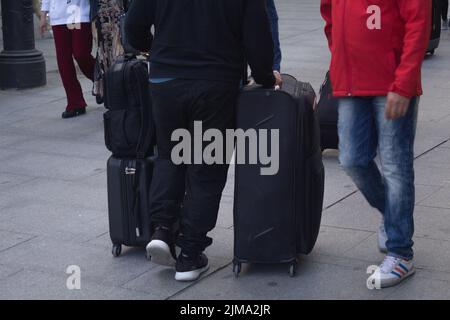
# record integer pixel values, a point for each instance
(278, 217)
(128, 188)
(327, 109)
(130, 136)
(436, 27)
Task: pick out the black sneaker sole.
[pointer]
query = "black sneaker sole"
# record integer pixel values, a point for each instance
(191, 275)
(73, 114)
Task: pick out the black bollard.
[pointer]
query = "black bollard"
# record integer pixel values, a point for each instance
(21, 65)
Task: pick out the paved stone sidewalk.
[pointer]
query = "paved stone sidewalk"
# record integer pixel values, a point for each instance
(53, 209)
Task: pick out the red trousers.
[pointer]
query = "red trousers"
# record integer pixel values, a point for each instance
(74, 44)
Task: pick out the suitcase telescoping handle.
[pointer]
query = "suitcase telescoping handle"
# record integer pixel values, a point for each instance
(134, 172)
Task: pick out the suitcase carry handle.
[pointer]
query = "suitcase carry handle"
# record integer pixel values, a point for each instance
(253, 86)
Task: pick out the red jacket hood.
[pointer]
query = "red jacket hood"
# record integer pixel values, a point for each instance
(377, 46)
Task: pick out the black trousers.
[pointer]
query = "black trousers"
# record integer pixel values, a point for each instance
(189, 194)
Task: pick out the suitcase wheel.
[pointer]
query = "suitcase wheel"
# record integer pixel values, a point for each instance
(148, 256)
(99, 100)
(116, 250)
(237, 268)
(293, 269)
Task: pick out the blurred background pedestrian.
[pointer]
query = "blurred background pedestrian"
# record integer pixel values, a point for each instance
(106, 16)
(273, 17)
(70, 22)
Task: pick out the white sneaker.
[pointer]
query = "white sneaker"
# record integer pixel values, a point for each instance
(391, 272)
(161, 248)
(382, 239)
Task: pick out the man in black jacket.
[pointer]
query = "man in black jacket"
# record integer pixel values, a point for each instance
(198, 53)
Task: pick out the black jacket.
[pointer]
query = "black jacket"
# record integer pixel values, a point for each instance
(203, 39)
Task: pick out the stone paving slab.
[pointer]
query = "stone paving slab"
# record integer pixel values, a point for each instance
(29, 284)
(97, 265)
(42, 218)
(430, 254)
(437, 158)
(422, 289)
(355, 214)
(59, 147)
(10, 239)
(6, 272)
(432, 176)
(53, 201)
(159, 282)
(49, 165)
(440, 199)
(58, 192)
(8, 181)
(314, 281)
(348, 239)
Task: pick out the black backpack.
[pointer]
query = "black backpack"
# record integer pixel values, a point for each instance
(129, 126)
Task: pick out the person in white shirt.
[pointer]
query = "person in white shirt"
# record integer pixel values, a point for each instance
(70, 21)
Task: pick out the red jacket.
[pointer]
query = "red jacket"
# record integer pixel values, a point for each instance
(377, 46)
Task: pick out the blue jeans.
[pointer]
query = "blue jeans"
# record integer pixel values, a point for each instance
(273, 18)
(364, 130)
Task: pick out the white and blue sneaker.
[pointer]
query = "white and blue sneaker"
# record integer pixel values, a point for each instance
(382, 239)
(392, 271)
